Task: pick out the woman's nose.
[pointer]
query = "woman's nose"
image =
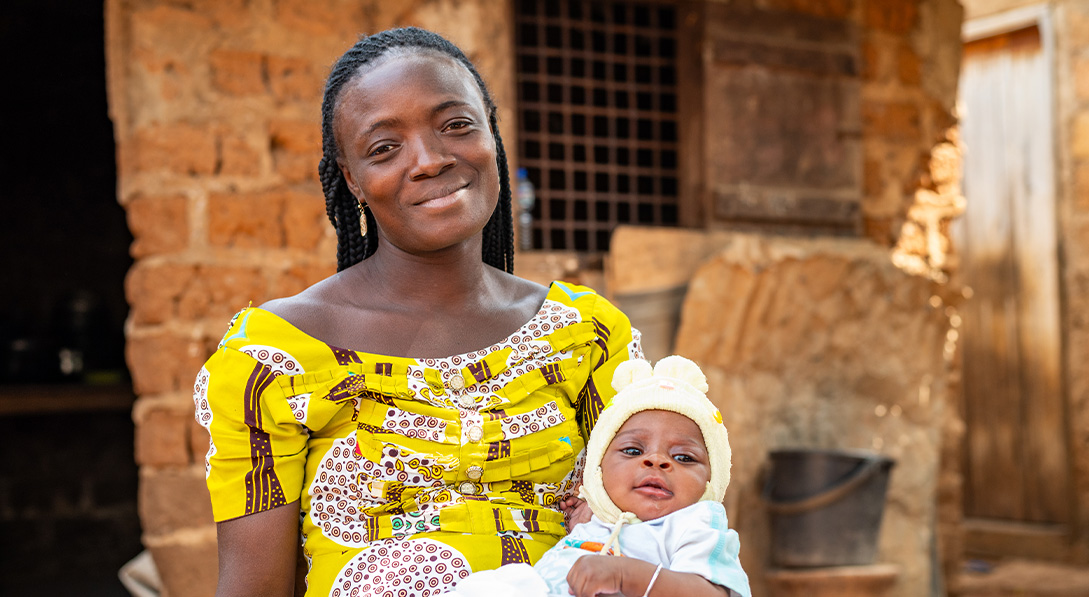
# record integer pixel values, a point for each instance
(432, 157)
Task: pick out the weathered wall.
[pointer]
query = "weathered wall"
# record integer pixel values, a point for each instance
(216, 112)
(824, 344)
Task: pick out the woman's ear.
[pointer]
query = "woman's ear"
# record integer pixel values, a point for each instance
(353, 186)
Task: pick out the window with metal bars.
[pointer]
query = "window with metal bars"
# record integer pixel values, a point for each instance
(597, 101)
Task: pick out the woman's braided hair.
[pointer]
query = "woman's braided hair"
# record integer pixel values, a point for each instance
(342, 207)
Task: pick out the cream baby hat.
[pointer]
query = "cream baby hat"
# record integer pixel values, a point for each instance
(675, 384)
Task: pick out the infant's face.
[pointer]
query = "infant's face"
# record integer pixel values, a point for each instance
(656, 464)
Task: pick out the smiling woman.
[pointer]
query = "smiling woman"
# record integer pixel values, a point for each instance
(422, 412)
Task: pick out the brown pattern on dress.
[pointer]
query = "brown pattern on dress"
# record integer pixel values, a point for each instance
(514, 551)
(495, 415)
(602, 340)
(591, 403)
(263, 489)
(480, 370)
(553, 373)
(346, 388)
(525, 490)
(530, 522)
(497, 450)
(344, 356)
(383, 368)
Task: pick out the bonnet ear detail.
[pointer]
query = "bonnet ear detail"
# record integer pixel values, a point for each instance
(681, 368)
(629, 372)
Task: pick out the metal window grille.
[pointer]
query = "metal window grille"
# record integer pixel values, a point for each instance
(597, 98)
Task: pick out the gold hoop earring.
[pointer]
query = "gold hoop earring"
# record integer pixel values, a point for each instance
(362, 219)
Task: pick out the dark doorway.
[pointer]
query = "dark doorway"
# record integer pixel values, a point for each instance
(68, 480)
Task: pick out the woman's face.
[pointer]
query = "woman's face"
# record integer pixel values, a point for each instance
(416, 146)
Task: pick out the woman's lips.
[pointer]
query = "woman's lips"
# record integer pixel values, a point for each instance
(443, 197)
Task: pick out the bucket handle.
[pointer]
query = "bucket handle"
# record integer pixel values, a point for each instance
(820, 500)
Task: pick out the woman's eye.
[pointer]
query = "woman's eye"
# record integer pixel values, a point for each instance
(457, 125)
(632, 451)
(380, 150)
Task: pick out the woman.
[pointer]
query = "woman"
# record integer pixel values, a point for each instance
(423, 411)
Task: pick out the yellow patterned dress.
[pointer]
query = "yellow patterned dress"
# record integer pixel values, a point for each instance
(411, 472)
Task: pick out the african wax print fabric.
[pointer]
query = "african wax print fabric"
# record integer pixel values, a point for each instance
(411, 473)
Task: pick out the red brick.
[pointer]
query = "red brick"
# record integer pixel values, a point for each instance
(891, 120)
(153, 290)
(162, 437)
(158, 224)
(305, 220)
(908, 66)
(870, 60)
(873, 183)
(162, 37)
(246, 221)
(178, 147)
(292, 79)
(295, 167)
(321, 18)
(218, 291)
(163, 362)
(894, 16)
(238, 73)
(238, 157)
(296, 136)
(173, 499)
(187, 569)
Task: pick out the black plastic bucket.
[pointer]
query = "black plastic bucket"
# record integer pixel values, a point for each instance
(826, 506)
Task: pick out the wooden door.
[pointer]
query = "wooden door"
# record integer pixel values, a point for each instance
(1017, 469)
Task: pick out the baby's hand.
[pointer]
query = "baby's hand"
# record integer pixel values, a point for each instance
(575, 510)
(595, 575)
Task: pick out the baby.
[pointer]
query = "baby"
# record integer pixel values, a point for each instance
(657, 467)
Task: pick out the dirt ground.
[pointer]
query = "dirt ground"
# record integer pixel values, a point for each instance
(1020, 578)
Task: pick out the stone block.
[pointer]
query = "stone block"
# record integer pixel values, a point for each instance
(162, 36)
(188, 565)
(246, 220)
(239, 157)
(162, 437)
(297, 278)
(153, 289)
(173, 499)
(828, 9)
(158, 224)
(870, 59)
(305, 220)
(908, 66)
(338, 19)
(179, 147)
(893, 16)
(238, 72)
(294, 79)
(295, 167)
(895, 120)
(296, 136)
(218, 291)
(162, 361)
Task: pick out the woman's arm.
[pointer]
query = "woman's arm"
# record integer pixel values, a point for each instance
(605, 575)
(257, 553)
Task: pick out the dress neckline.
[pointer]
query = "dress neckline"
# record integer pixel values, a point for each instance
(553, 287)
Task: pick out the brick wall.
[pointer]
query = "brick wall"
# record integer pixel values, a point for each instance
(216, 112)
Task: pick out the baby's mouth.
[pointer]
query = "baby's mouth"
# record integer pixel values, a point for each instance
(653, 487)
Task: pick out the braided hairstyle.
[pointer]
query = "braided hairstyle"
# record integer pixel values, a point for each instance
(342, 207)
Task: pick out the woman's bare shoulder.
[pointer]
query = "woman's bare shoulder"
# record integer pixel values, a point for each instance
(314, 308)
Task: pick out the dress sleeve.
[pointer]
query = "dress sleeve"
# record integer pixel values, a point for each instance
(616, 341)
(702, 543)
(257, 451)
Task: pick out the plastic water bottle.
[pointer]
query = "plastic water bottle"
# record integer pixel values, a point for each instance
(526, 197)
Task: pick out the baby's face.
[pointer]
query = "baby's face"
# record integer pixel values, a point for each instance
(656, 464)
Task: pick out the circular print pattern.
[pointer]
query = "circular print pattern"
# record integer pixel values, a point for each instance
(395, 568)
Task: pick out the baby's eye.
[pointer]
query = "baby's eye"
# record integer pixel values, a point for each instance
(684, 458)
(631, 451)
